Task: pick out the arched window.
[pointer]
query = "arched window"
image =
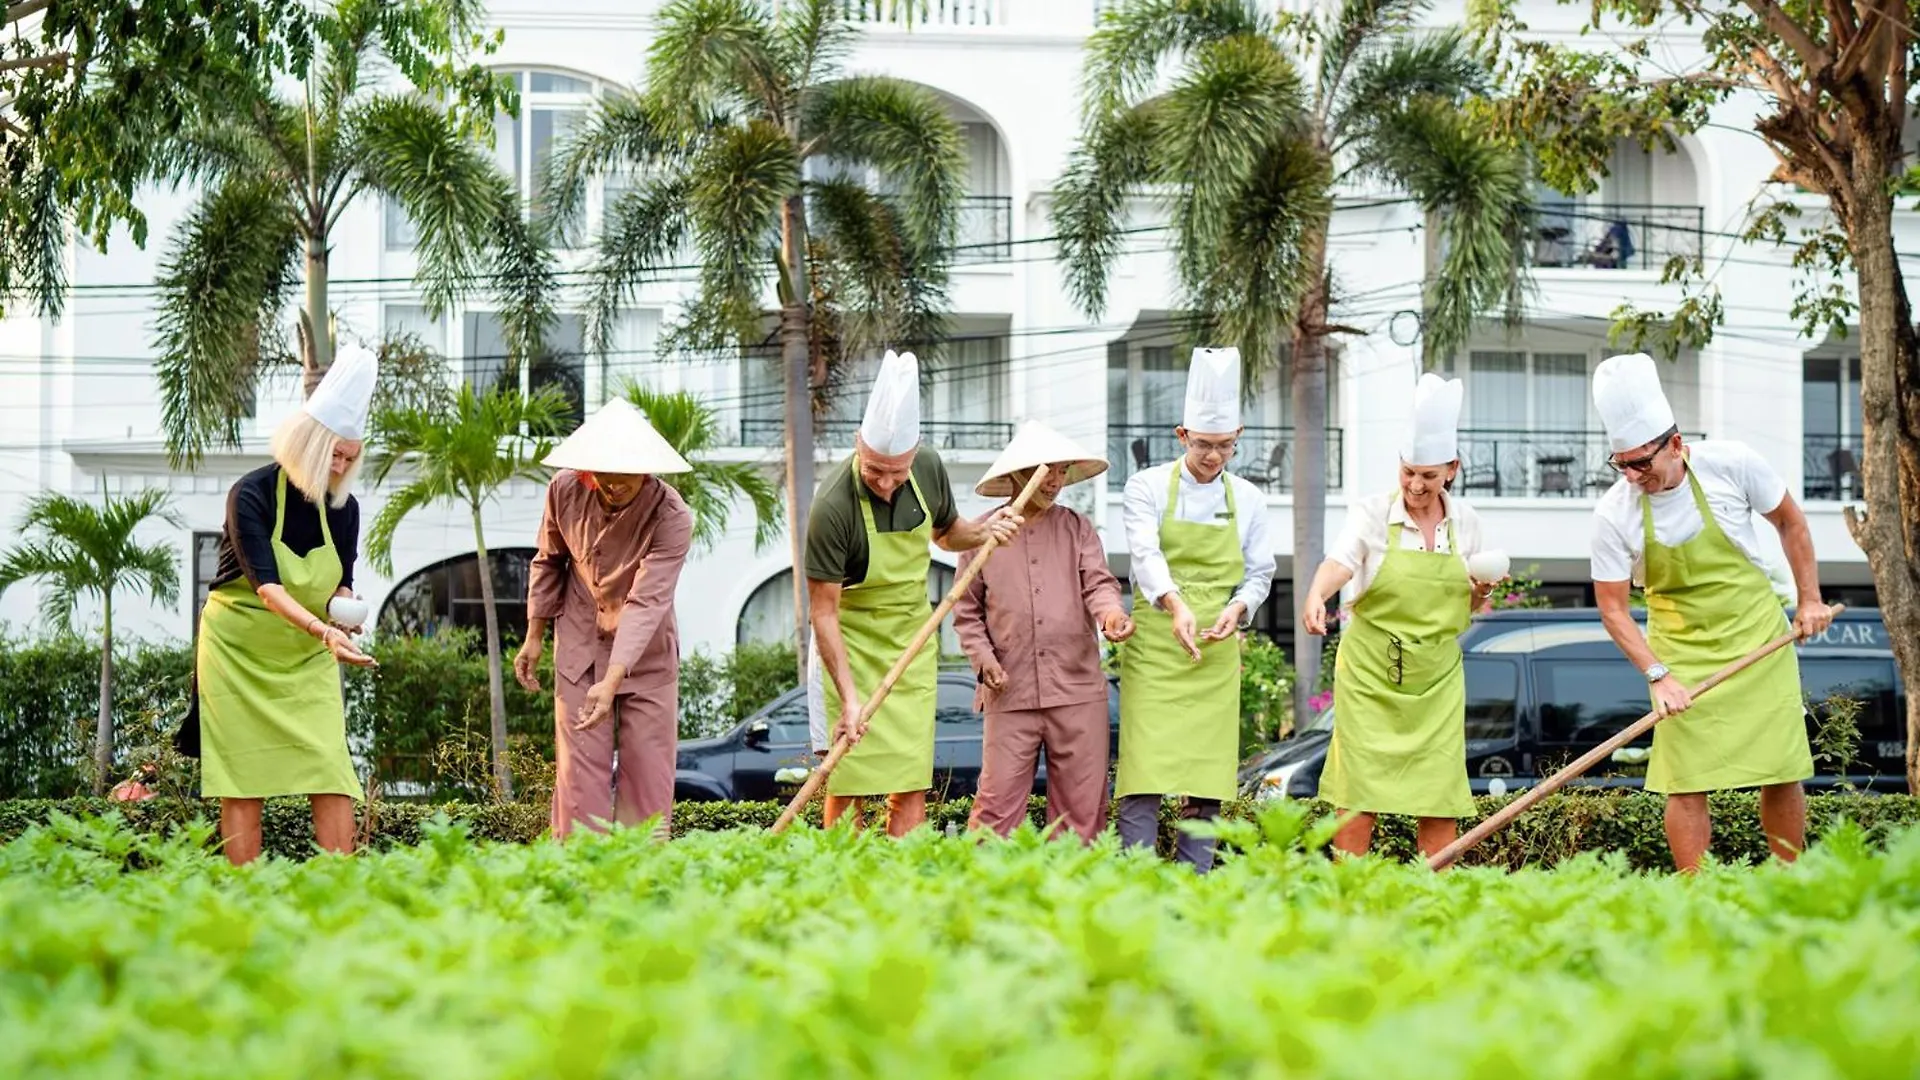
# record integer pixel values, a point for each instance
(768, 612)
(447, 595)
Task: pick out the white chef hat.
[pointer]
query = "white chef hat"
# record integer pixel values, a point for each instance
(892, 422)
(1632, 407)
(1213, 392)
(344, 397)
(1435, 438)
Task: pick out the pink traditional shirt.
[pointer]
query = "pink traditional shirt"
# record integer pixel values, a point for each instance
(606, 578)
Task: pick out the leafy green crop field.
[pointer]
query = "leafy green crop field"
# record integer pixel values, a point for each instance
(829, 954)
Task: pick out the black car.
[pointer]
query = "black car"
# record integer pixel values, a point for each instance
(1544, 687)
(765, 755)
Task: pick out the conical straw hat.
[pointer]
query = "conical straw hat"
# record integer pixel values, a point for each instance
(1037, 444)
(617, 439)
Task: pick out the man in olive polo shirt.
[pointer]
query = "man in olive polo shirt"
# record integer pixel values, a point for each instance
(867, 561)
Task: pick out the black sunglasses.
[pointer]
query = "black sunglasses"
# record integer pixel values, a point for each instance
(1644, 463)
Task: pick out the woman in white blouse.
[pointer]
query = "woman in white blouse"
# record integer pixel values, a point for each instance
(1399, 690)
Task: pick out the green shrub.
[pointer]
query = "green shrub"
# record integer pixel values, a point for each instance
(717, 692)
(1562, 827)
(50, 698)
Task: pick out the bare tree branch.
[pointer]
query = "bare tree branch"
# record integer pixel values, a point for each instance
(50, 60)
(1781, 25)
(17, 12)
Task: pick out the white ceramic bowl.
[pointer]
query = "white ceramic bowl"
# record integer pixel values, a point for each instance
(1488, 566)
(347, 611)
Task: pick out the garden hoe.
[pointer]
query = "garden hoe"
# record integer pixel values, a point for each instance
(872, 704)
(1500, 818)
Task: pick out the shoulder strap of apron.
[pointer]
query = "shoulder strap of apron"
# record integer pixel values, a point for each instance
(280, 514)
(1707, 523)
(1173, 494)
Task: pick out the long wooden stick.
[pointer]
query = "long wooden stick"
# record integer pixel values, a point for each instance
(1500, 818)
(872, 705)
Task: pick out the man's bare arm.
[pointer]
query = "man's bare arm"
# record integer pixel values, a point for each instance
(823, 601)
(1617, 617)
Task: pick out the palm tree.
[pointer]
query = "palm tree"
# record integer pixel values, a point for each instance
(712, 486)
(78, 549)
(1246, 155)
(464, 454)
(749, 145)
(276, 176)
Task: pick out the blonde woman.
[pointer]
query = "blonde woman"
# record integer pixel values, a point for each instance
(272, 721)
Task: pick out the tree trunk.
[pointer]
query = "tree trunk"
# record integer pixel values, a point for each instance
(316, 340)
(796, 360)
(1309, 466)
(1889, 531)
(496, 688)
(103, 726)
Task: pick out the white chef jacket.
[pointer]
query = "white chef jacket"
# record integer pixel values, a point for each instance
(1204, 504)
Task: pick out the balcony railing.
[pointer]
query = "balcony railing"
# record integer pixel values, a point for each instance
(985, 234)
(1830, 467)
(1264, 455)
(925, 12)
(939, 434)
(1615, 237)
(1514, 463)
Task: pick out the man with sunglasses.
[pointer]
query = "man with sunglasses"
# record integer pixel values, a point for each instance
(1202, 564)
(1680, 521)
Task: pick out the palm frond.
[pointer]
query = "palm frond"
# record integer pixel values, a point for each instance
(810, 39)
(739, 181)
(1479, 190)
(706, 53)
(1239, 101)
(1358, 28)
(887, 288)
(712, 488)
(1125, 52)
(645, 230)
(463, 453)
(526, 281)
(626, 131)
(1114, 159)
(902, 129)
(76, 549)
(1256, 264)
(33, 243)
(1439, 65)
(223, 282)
(448, 187)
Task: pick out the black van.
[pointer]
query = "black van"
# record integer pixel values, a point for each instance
(1544, 687)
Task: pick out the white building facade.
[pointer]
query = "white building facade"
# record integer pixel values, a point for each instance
(82, 415)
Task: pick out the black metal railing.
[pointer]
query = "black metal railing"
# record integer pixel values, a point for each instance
(1515, 463)
(838, 434)
(1264, 455)
(985, 232)
(1640, 237)
(1830, 467)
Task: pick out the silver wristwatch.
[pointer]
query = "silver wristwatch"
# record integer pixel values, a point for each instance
(1657, 672)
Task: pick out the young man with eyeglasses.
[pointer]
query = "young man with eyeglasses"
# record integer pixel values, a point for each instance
(1680, 520)
(1202, 564)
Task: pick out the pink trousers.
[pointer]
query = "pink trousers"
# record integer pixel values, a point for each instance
(1076, 741)
(588, 789)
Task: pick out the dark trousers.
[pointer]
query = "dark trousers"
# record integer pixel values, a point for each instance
(1139, 821)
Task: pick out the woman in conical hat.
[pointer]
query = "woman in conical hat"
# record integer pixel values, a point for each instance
(1399, 688)
(1031, 622)
(613, 540)
(270, 717)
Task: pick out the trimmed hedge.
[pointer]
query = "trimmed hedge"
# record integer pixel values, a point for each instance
(1563, 826)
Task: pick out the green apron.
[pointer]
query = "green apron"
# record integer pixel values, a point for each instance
(878, 617)
(1707, 606)
(1180, 721)
(1400, 745)
(272, 721)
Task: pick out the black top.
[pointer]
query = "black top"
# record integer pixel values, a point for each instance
(246, 546)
